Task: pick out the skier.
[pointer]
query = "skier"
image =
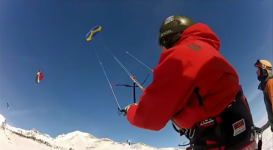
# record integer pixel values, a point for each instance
(129, 142)
(264, 75)
(196, 88)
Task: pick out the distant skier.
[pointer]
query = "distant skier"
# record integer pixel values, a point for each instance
(196, 88)
(265, 76)
(129, 142)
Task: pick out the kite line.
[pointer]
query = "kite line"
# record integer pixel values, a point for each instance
(115, 97)
(90, 36)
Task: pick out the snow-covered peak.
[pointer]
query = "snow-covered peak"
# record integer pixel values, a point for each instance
(74, 134)
(78, 140)
(77, 133)
(30, 133)
(74, 140)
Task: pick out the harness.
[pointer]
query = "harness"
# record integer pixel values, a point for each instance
(216, 132)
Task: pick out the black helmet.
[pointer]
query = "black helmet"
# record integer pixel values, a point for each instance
(171, 30)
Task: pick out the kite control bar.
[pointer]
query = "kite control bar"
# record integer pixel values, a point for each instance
(89, 36)
(122, 111)
(135, 82)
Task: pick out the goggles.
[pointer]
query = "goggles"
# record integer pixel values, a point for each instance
(261, 65)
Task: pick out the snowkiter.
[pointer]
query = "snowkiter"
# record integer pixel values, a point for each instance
(264, 75)
(129, 142)
(196, 88)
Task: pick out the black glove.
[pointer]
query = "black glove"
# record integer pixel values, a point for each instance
(124, 111)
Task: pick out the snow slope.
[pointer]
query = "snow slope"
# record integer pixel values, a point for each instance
(12, 138)
(2, 119)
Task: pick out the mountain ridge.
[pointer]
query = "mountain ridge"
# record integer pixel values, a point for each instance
(75, 140)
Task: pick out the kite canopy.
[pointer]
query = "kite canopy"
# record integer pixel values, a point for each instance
(92, 33)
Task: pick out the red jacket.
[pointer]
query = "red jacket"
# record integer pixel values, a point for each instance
(193, 62)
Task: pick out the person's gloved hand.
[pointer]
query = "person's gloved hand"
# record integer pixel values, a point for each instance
(127, 108)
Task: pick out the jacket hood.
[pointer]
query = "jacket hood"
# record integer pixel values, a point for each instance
(201, 32)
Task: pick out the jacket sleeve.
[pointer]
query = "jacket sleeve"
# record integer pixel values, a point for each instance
(164, 96)
(270, 91)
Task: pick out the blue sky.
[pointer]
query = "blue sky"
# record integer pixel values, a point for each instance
(74, 95)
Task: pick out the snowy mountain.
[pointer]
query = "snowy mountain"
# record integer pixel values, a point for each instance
(13, 138)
